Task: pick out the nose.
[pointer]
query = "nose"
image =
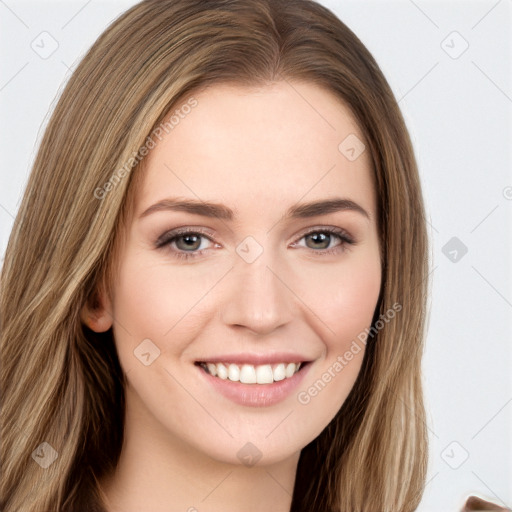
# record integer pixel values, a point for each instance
(258, 299)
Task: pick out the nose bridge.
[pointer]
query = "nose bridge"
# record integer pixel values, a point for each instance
(258, 299)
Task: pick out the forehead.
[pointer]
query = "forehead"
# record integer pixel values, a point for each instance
(265, 147)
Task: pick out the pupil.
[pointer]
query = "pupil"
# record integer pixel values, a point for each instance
(190, 240)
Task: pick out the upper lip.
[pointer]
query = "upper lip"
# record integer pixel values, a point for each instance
(256, 359)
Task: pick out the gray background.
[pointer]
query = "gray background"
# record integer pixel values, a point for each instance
(449, 64)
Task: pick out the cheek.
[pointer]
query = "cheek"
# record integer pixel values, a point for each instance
(141, 300)
(152, 302)
(156, 299)
(345, 298)
(354, 300)
(346, 307)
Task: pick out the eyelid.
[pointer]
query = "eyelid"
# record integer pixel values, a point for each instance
(162, 239)
(168, 235)
(342, 233)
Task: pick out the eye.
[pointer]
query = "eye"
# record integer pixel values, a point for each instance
(183, 243)
(321, 239)
(187, 244)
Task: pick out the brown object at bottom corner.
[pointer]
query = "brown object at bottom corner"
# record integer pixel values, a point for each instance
(474, 503)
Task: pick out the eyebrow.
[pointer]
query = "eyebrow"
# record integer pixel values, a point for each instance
(222, 212)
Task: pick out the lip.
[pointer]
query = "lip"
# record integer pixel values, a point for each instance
(256, 359)
(255, 395)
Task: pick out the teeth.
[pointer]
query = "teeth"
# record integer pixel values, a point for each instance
(222, 371)
(249, 374)
(279, 372)
(264, 374)
(290, 369)
(233, 372)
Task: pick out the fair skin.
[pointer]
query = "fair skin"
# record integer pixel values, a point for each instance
(258, 152)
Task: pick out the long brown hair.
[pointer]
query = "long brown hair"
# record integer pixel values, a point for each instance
(62, 384)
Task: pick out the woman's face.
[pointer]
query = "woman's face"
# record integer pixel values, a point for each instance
(258, 282)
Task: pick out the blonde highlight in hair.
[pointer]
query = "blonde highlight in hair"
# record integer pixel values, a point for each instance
(62, 383)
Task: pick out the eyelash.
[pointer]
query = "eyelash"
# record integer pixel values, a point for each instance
(167, 238)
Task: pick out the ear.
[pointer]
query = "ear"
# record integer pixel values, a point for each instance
(97, 311)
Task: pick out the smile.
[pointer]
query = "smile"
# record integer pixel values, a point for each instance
(252, 374)
(260, 385)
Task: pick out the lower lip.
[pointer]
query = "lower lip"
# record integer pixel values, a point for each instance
(256, 395)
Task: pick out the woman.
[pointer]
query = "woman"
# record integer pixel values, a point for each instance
(260, 371)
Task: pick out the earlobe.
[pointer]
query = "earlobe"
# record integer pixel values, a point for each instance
(96, 313)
